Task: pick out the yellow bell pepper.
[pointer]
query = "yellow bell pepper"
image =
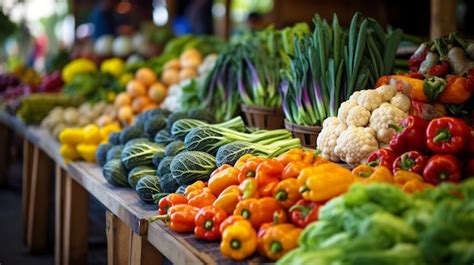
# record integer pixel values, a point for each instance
(106, 130)
(239, 240)
(325, 181)
(71, 136)
(68, 153)
(92, 134)
(87, 151)
(113, 66)
(77, 66)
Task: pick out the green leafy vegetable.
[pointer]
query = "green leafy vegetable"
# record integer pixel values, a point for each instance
(190, 166)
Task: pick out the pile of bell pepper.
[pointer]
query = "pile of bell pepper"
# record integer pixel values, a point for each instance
(259, 204)
(433, 151)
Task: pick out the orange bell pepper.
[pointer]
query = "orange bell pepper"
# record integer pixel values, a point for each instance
(457, 90)
(249, 189)
(229, 221)
(293, 169)
(228, 199)
(292, 155)
(222, 179)
(287, 192)
(278, 240)
(204, 198)
(196, 192)
(258, 211)
(240, 163)
(363, 171)
(268, 175)
(198, 185)
(249, 169)
(170, 200)
(324, 181)
(180, 218)
(415, 185)
(412, 87)
(402, 176)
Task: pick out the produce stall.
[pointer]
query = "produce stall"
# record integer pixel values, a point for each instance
(295, 145)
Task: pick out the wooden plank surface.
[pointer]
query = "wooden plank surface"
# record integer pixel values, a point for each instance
(38, 207)
(59, 187)
(26, 185)
(5, 136)
(76, 223)
(125, 204)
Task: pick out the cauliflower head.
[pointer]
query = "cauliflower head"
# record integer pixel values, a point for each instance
(353, 98)
(344, 109)
(386, 91)
(370, 99)
(358, 116)
(327, 138)
(383, 116)
(401, 101)
(355, 144)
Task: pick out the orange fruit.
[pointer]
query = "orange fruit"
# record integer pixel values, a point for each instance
(170, 76)
(139, 103)
(122, 99)
(157, 92)
(136, 88)
(146, 76)
(125, 113)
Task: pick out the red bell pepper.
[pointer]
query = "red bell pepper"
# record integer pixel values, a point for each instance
(442, 168)
(170, 200)
(208, 221)
(410, 135)
(412, 161)
(304, 212)
(440, 70)
(383, 157)
(448, 135)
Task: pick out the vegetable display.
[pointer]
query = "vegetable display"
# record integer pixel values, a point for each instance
(330, 64)
(362, 124)
(380, 224)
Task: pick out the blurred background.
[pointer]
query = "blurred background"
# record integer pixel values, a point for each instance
(32, 29)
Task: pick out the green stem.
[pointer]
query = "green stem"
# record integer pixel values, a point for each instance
(159, 217)
(250, 174)
(304, 189)
(208, 225)
(373, 163)
(407, 163)
(235, 244)
(396, 127)
(443, 135)
(276, 247)
(245, 213)
(281, 195)
(303, 209)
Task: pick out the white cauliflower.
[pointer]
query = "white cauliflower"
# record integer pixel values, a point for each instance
(344, 109)
(353, 98)
(358, 116)
(401, 101)
(355, 144)
(386, 91)
(369, 99)
(327, 138)
(383, 116)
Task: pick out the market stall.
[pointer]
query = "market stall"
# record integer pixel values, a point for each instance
(309, 143)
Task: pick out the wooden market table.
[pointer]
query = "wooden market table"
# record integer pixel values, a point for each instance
(130, 239)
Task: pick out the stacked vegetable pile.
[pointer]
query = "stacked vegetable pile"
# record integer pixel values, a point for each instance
(82, 143)
(440, 150)
(330, 64)
(60, 118)
(441, 81)
(379, 224)
(142, 93)
(362, 124)
(164, 151)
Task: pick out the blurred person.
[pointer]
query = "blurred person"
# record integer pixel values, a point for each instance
(199, 15)
(103, 19)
